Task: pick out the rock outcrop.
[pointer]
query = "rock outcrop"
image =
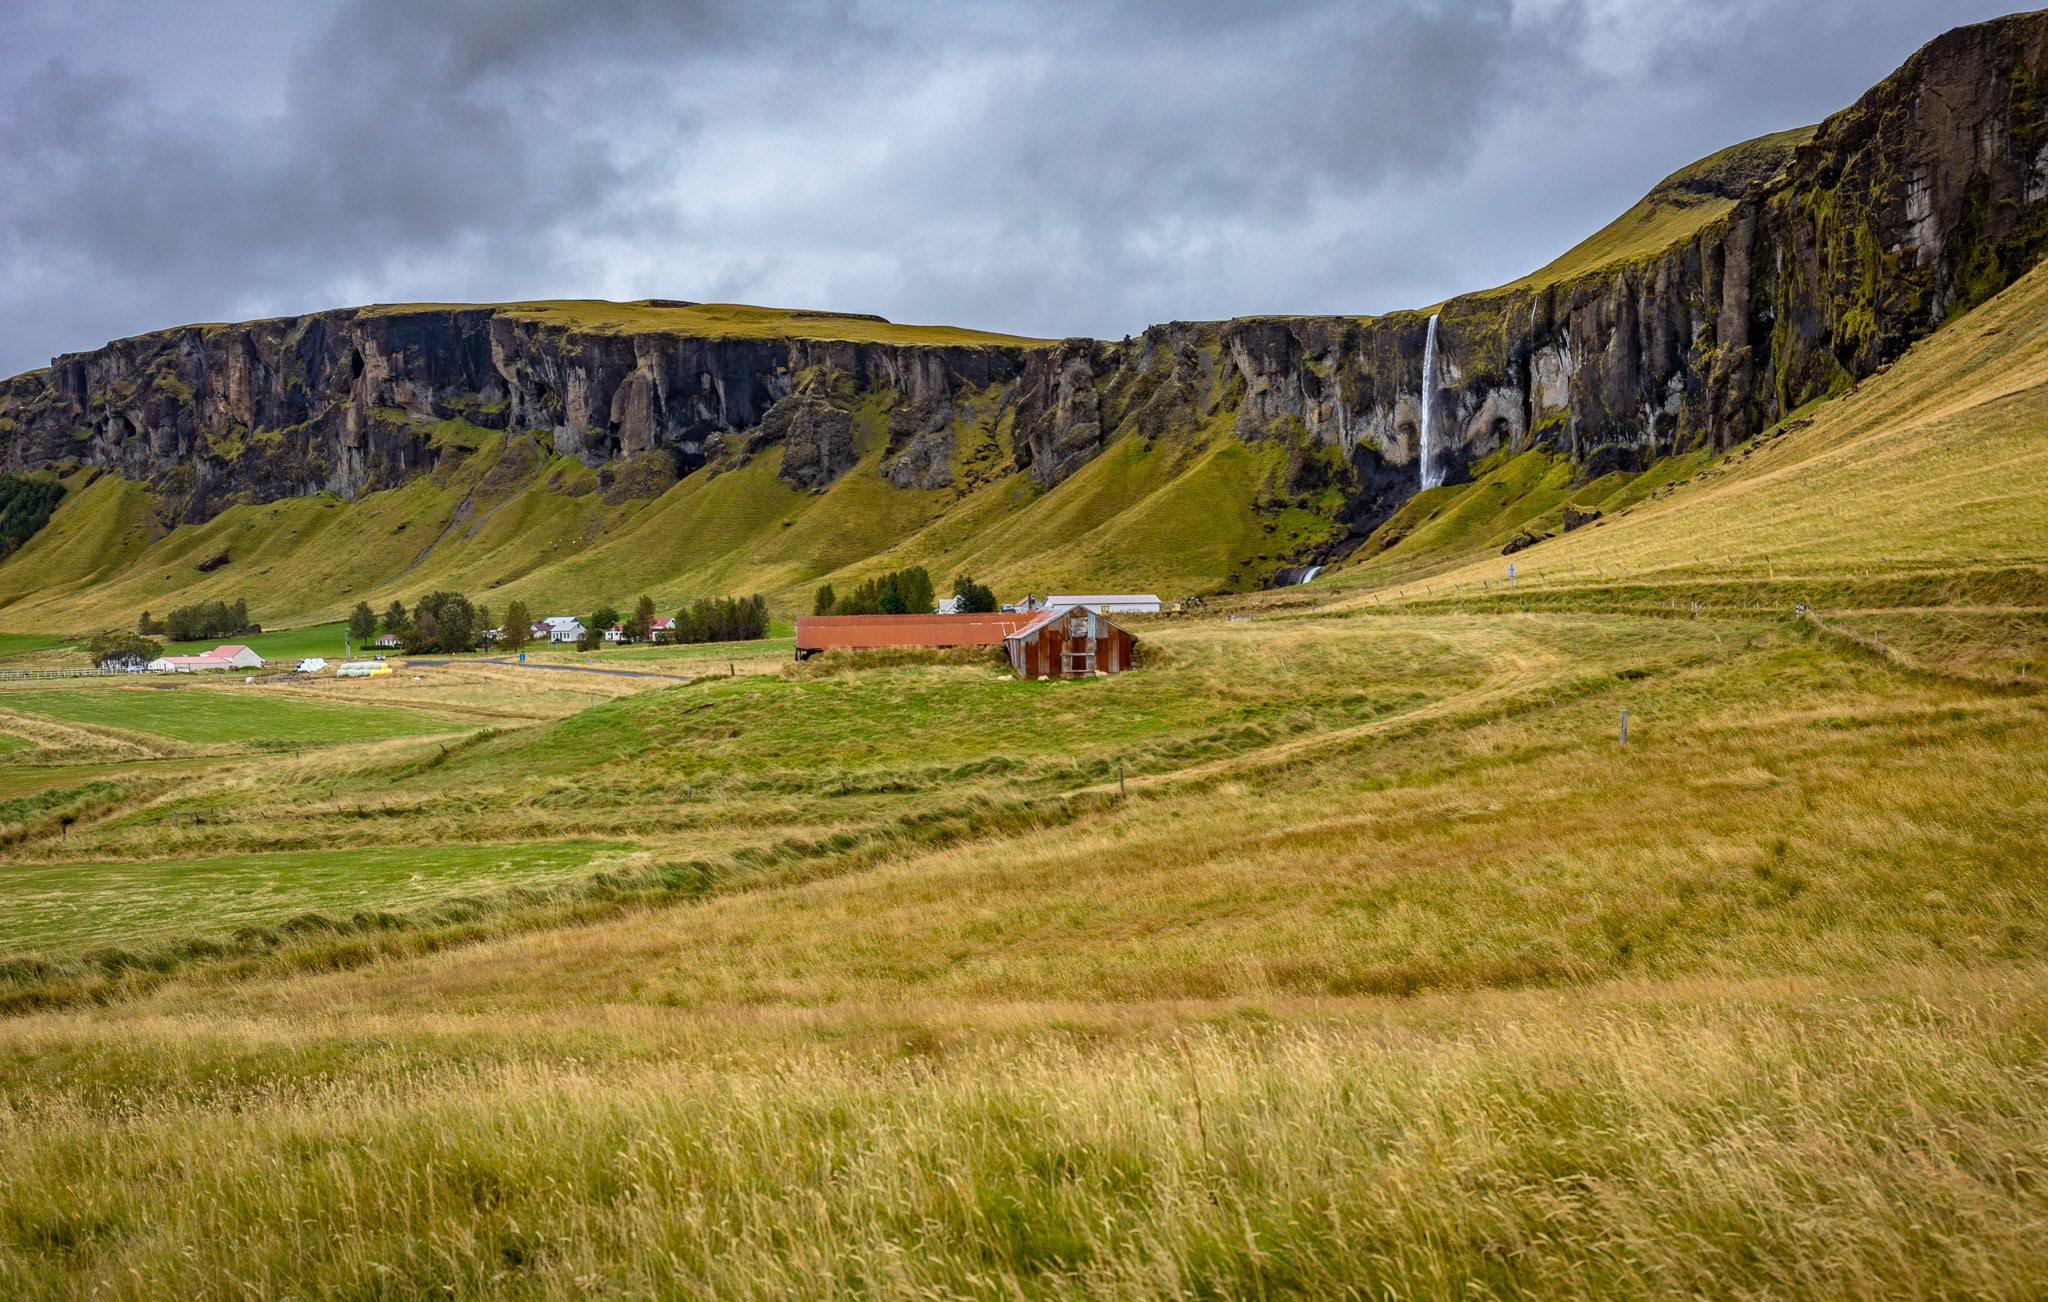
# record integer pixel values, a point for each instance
(1921, 200)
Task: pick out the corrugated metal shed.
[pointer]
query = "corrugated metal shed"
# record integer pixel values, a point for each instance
(1069, 642)
(816, 633)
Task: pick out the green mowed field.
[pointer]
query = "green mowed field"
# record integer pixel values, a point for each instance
(209, 714)
(14, 644)
(66, 907)
(9, 743)
(285, 644)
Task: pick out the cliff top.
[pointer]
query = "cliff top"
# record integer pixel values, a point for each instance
(723, 320)
(1675, 207)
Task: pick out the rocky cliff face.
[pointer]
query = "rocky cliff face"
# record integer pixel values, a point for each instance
(1921, 200)
(355, 400)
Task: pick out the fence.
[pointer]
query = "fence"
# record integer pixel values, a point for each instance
(87, 672)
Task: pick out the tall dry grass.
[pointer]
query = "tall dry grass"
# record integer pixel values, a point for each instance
(1706, 1141)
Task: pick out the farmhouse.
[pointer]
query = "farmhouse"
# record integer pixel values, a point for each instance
(815, 633)
(221, 657)
(562, 628)
(657, 626)
(1069, 642)
(390, 640)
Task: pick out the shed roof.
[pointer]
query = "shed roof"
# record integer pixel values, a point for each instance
(821, 632)
(1052, 614)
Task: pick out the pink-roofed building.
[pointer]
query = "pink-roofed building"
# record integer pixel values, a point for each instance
(221, 657)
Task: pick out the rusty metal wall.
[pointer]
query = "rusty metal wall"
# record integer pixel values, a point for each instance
(1042, 651)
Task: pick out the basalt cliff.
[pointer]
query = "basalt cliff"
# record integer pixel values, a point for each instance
(1799, 265)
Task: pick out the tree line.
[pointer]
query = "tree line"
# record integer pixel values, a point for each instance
(439, 623)
(201, 619)
(903, 592)
(445, 622)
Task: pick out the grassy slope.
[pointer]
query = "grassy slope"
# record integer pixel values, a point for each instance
(1933, 465)
(1670, 212)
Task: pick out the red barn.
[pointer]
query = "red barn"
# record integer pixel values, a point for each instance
(815, 633)
(1069, 642)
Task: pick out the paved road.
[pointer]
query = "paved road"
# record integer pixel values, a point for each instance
(534, 664)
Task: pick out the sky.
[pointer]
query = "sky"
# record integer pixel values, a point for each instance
(1049, 169)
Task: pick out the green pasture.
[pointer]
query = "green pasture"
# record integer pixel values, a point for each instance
(66, 907)
(14, 644)
(223, 714)
(285, 644)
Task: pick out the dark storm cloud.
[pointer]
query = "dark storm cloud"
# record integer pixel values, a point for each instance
(1050, 169)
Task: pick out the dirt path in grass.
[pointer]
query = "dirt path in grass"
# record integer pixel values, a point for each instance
(1524, 669)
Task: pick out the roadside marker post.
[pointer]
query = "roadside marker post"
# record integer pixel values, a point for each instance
(1624, 727)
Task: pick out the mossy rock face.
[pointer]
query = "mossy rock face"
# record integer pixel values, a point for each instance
(643, 476)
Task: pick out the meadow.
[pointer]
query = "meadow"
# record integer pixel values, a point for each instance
(1344, 949)
(67, 907)
(1451, 994)
(217, 713)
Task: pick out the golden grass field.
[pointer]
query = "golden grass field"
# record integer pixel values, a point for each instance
(1341, 950)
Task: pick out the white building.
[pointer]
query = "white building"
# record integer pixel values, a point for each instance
(563, 628)
(1136, 603)
(221, 657)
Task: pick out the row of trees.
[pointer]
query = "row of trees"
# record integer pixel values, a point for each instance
(708, 619)
(447, 622)
(201, 619)
(441, 622)
(904, 592)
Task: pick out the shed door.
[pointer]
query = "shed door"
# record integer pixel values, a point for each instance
(1080, 653)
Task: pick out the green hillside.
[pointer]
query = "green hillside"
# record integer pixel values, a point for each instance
(1674, 209)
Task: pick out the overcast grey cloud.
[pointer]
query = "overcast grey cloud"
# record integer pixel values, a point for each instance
(1048, 169)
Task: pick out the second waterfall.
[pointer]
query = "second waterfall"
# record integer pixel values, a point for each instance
(1428, 400)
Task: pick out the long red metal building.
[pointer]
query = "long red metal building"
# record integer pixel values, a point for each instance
(815, 633)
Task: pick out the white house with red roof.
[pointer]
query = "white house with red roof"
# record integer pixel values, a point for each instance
(655, 628)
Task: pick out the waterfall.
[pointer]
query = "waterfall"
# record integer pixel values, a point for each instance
(1428, 397)
(1308, 574)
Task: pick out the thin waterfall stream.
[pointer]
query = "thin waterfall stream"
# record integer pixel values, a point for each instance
(1428, 396)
